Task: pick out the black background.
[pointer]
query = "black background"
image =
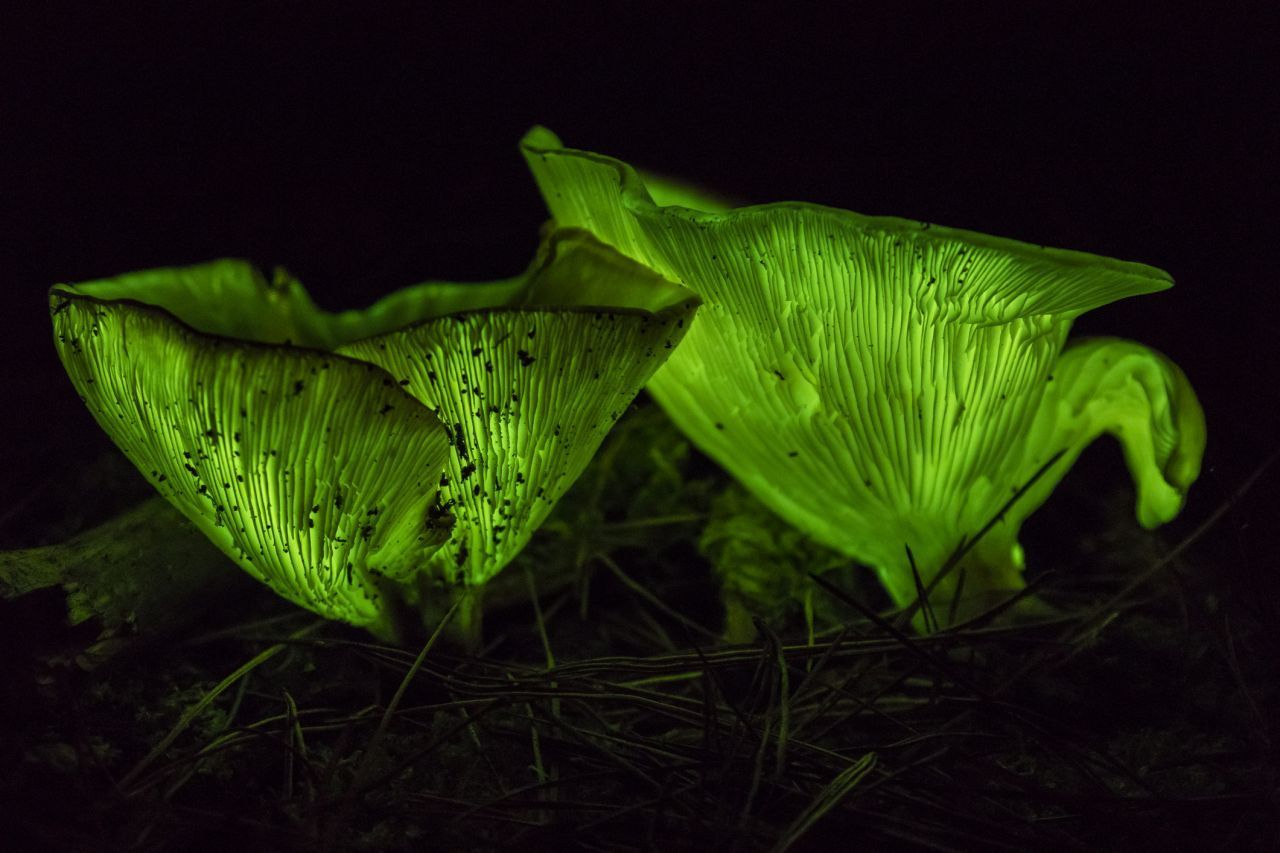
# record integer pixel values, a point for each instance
(371, 146)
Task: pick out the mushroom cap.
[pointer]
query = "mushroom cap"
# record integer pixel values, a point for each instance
(873, 380)
(312, 471)
(766, 253)
(323, 451)
(528, 376)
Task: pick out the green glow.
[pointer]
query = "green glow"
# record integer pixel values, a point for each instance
(312, 471)
(307, 446)
(528, 392)
(882, 383)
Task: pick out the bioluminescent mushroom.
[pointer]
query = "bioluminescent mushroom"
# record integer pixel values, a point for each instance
(314, 472)
(884, 384)
(528, 376)
(333, 455)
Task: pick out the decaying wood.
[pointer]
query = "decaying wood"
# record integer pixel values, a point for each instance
(148, 573)
(141, 575)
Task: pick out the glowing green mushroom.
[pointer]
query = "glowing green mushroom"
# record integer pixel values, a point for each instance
(528, 376)
(331, 454)
(312, 471)
(883, 383)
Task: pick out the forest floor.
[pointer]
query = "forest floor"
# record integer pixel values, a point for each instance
(605, 713)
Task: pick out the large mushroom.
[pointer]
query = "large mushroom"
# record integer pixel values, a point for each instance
(886, 384)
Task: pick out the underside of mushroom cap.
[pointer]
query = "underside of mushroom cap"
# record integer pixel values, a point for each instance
(750, 250)
(874, 380)
(314, 472)
(275, 427)
(529, 384)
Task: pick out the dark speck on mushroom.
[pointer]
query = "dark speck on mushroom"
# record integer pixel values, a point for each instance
(525, 358)
(459, 440)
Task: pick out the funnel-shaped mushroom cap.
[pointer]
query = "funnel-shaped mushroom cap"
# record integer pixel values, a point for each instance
(312, 471)
(528, 376)
(883, 383)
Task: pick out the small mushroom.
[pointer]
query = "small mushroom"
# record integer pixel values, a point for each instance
(882, 383)
(528, 376)
(312, 471)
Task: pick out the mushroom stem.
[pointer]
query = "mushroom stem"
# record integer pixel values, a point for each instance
(464, 606)
(467, 627)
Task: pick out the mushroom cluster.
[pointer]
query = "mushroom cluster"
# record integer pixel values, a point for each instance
(340, 458)
(884, 385)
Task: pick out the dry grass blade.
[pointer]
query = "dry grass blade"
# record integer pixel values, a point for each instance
(967, 545)
(828, 798)
(127, 781)
(359, 780)
(652, 599)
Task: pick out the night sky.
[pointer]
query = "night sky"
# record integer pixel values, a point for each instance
(369, 153)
